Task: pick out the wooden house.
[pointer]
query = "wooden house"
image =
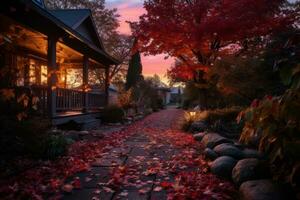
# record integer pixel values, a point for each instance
(55, 53)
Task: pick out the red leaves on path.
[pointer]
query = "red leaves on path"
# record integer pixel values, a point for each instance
(184, 175)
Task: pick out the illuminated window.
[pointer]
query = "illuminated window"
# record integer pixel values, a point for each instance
(32, 73)
(74, 78)
(44, 73)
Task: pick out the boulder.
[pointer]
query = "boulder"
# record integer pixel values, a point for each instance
(211, 140)
(260, 190)
(252, 153)
(198, 126)
(226, 149)
(223, 166)
(210, 154)
(74, 135)
(239, 145)
(199, 136)
(249, 169)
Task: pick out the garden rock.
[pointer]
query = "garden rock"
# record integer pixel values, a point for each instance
(249, 169)
(74, 135)
(211, 140)
(239, 145)
(228, 150)
(260, 190)
(97, 133)
(210, 154)
(252, 153)
(198, 126)
(223, 166)
(199, 136)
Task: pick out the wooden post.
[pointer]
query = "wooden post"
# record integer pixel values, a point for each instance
(26, 74)
(38, 73)
(52, 76)
(85, 77)
(107, 82)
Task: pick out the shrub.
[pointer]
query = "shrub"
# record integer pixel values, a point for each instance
(275, 122)
(218, 120)
(113, 114)
(31, 138)
(22, 137)
(55, 146)
(157, 103)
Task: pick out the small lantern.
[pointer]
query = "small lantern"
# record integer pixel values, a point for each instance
(192, 113)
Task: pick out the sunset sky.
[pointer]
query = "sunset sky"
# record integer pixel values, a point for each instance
(130, 10)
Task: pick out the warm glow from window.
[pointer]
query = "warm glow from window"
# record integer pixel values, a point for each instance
(44, 73)
(32, 73)
(74, 78)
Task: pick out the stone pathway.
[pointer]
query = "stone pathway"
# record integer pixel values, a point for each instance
(144, 165)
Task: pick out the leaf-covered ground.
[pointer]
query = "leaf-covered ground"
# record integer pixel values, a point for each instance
(150, 159)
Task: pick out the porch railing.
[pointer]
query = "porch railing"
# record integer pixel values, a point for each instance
(66, 99)
(96, 100)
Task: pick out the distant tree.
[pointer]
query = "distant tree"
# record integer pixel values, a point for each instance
(156, 81)
(134, 72)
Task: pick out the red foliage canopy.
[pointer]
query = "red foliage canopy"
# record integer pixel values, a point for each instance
(195, 31)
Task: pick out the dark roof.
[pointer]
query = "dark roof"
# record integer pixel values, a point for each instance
(71, 17)
(48, 23)
(81, 21)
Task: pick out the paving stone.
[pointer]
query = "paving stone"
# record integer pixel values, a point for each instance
(133, 195)
(138, 139)
(138, 151)
(110, 160)
(92, 178)
(158, 195)
(136, 143)
(120, 151)
(88, 194)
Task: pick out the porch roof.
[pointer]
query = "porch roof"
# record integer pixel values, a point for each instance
(25, 11)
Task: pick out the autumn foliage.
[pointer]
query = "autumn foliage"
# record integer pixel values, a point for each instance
(198, 31)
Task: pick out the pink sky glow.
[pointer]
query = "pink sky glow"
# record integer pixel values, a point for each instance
(130, 10)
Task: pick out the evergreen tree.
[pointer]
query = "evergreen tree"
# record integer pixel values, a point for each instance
(134, 72)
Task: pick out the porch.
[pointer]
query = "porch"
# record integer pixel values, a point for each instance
(56, 63)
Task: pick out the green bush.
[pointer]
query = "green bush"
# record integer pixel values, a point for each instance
(32, 133)
(113, 114)
(55, 146)
(30, 138)
(157, 103)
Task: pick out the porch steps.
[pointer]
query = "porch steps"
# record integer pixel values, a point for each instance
(87, 121)
(91, 124)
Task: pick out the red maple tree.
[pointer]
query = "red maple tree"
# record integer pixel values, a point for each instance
(197, 31)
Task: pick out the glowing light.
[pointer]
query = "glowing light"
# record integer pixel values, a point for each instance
(192, 114)
(44, 72)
